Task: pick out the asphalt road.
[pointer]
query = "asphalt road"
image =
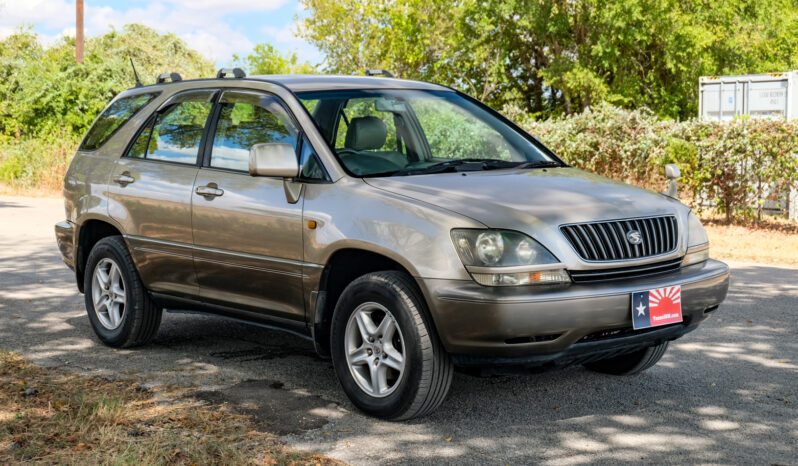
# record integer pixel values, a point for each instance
(726, 393)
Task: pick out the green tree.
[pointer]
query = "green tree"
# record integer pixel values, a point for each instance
(43, 88)
(547, 57)
(412, 38)
(266, 59)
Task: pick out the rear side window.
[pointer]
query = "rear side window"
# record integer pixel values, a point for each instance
(174, 134)
(113, 117)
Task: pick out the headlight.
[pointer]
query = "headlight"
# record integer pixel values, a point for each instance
(696, 235)
(507, 258)
(697, 242)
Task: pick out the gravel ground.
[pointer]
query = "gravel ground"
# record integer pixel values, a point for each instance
(726, 393)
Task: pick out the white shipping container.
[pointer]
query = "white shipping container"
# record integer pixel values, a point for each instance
(773, 95)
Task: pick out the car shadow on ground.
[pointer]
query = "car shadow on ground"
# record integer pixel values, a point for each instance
(725, 393)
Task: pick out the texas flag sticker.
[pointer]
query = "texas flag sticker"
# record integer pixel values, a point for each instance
(657, 307)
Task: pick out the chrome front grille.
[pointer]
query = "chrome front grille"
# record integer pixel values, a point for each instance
(608, 240)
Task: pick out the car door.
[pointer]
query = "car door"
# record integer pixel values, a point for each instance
(151, 193)
(247, 235)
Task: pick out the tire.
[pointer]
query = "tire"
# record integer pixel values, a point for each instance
(135, 318)
(389, 299)
(630, 364)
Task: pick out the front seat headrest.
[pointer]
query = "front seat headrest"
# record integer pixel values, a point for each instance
(365, 133)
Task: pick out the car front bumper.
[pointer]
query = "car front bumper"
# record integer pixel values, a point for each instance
(533, 326)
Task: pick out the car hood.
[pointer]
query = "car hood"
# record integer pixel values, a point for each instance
(534, 201)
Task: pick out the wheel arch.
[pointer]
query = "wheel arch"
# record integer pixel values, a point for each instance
(344, 266)
(89, 232)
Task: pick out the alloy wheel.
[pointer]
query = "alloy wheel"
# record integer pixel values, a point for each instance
(375, 349)
(108, 294)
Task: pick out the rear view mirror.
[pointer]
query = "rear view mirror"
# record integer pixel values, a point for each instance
(273, 159)
(390, 105)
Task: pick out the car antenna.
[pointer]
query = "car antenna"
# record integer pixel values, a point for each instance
(136, 75)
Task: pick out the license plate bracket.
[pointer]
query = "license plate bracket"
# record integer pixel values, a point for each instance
(656, 307)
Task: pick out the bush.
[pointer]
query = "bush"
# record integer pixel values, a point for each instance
(732, 166)
(37, 163)
(621, 144)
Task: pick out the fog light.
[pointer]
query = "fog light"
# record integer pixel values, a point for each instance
(545, 277)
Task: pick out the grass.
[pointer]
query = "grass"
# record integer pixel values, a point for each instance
(54, 417)
(773, 241)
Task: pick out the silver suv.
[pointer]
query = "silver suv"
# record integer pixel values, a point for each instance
(403, 227)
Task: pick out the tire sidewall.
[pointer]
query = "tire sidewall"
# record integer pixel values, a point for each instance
(387, 295)
(118, 336)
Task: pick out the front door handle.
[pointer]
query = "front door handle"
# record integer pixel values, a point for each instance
(211, 190)
(124, 179)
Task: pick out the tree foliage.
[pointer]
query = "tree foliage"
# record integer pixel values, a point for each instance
(547, 57)
(266, 59)
(43, 88)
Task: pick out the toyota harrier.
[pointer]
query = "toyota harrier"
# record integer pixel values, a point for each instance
(404, 228)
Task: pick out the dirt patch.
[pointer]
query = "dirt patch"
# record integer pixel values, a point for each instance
(271, 407)
(55, 417)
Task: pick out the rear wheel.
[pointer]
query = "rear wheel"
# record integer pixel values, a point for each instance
(385, 350)
(121, 312)
(629, 364)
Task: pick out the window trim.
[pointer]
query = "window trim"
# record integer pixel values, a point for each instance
(155, 95)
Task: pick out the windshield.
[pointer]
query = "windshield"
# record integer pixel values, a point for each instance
(412, 132)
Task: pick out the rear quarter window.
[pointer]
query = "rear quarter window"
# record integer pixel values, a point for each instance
(117, 114)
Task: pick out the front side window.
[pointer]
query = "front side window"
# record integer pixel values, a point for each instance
(408, 132)
(246, 119)
(117, 114)
(175, 132)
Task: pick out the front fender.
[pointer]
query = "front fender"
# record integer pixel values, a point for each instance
(351, 214)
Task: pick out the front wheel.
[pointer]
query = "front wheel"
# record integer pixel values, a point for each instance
(385, 350)
(630, 364)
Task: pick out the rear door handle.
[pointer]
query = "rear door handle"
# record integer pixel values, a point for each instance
(210, 190)
(124, 179)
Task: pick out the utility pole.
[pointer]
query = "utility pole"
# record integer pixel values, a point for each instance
(79, 31)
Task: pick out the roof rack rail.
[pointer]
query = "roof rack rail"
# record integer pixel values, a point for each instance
(163, 77)
(385, 73)
(226, 72)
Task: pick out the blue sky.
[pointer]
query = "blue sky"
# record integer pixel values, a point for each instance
(217, 28)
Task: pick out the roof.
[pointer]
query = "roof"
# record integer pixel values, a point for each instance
(320, 82)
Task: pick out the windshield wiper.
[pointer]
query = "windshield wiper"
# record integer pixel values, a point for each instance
(441, 167)
(473, 164)
(468, 164)
(541, 164)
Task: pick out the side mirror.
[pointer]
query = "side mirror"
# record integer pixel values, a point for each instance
(273, 159)
(672, 173)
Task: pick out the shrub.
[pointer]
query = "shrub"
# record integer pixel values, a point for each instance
(621, 144)
(37, 163)
(732, 166)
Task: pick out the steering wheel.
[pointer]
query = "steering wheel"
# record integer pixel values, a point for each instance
(345, 150)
